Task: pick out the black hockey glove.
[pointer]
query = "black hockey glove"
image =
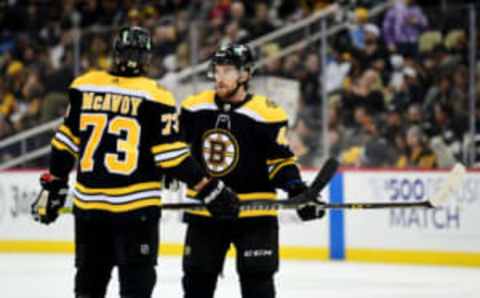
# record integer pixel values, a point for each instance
(309, 211)
(221, 201)
(51, 198)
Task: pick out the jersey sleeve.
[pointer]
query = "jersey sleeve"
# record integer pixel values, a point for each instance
(168, 147)
(280, 160)
(66, 141)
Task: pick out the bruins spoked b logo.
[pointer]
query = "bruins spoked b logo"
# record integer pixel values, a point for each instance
(220, 151)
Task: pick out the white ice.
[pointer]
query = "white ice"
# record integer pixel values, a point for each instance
(51, 276)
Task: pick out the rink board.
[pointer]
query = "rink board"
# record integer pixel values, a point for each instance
(445, 236)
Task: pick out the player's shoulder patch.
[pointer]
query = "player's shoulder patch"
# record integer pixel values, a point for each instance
(199, 101)
(263, 109)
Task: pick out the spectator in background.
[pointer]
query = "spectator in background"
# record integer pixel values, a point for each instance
(448, 128)
(402, 26)
(273, 66)
(337, 70)
(310, 85)
(234, 34)
(373, 53)
(292, 66)
(460, 91)
(377, 152)
(440, 92)
(397, 75)
(418, 154)
(7, 107)
(237, 14)
(164, 36)
(393, 123)
(414, 115)
(261, 24)
(409, 91)
(357, 32)
(365, 91)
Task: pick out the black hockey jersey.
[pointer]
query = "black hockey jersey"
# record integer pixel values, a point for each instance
(124, 132)
(245, 145)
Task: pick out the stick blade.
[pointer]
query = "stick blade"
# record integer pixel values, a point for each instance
(452, 184)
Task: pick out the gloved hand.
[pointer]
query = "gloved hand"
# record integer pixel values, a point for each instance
(221, 201)
(51, 198)
(305, 212)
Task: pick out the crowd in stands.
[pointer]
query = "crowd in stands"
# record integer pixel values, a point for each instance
(398, 90)
(37, 54)
(397, 84)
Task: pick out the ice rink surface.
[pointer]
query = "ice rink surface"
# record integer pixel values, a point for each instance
(51, 276)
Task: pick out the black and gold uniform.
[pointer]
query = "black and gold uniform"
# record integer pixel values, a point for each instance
(241, 139)
(245, 145)
(122, 129)
(124, 132)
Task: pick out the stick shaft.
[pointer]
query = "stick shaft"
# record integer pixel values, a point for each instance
(366, 205)
(286, 205)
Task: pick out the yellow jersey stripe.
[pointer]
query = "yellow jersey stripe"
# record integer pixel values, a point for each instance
(198, 100)
(123, 190)
(243, 196)
(243, 214)
(279, 167)
(103, 82)
(116, 208)
(62, 147)
(173, 162)
(264, 110)
(67, 132)
(168, 147)
(257, 196)
(278, 160)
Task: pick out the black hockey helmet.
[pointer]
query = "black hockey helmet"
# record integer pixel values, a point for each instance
(239, 55)
(131, 50)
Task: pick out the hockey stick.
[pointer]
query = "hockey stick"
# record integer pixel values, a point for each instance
(452, 184)
(308, 197)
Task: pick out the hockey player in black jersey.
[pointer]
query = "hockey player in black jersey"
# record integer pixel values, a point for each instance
(241, 139)
(123, 130)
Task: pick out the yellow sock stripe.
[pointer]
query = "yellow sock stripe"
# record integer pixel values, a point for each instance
(62, 147)
(279, 167)
(117, 208)
(168, 147)
(67, 132)
(174, 162)
(123, 190)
